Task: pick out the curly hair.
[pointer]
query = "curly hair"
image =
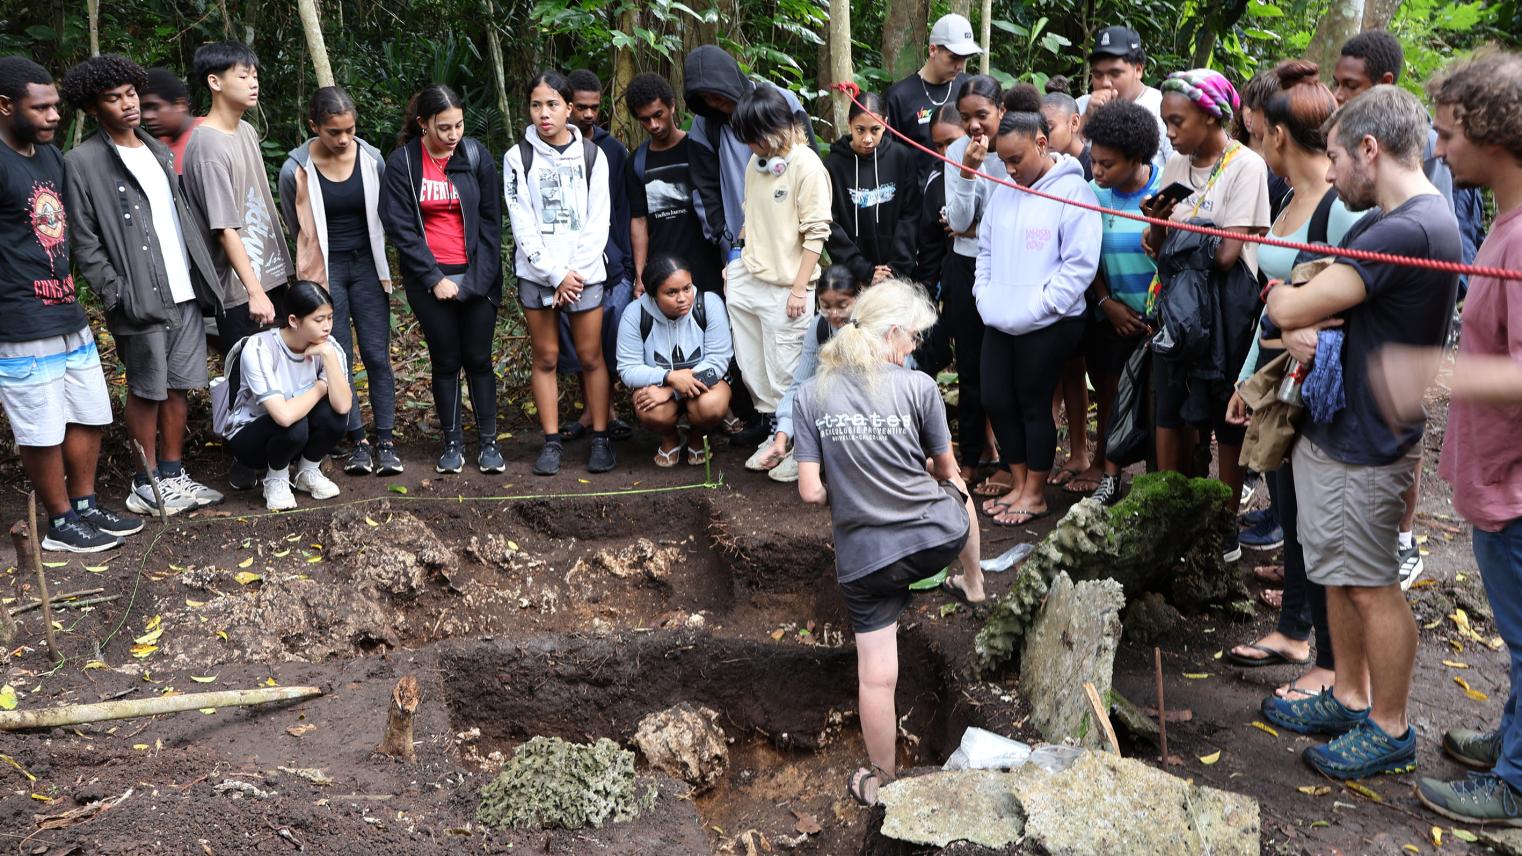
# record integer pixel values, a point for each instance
(85, 82)
(1380, 51)
(646, 89)
(1485, 92)
(1126, 127)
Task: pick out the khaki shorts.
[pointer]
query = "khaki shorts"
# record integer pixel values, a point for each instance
(1349, 518)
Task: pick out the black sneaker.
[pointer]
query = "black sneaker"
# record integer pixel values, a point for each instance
(602, 457)
(243, 478)
(78, 536)
(453, 458)
(1108, 492)
(1411, 565)
(757, 429)
(490, 458)
(548, 463)
(387, 462)
(360, 462)
(110, 522)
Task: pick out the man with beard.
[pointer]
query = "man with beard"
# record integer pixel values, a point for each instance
(154, 276)
(51, 384)
(1351, 467)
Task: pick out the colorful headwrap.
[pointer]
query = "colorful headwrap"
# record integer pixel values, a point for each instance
(1208, 90)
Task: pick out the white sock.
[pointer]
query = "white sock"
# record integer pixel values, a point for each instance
(282, 474)
(304, 464)
(1407, 539)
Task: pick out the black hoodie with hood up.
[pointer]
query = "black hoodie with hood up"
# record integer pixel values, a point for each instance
(875, 207)
(719, 158)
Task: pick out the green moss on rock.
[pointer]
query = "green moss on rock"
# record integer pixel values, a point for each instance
(551, 783)
(1165, 536)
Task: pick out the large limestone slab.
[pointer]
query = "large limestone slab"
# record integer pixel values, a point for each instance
(978, 806)
(1072, 642)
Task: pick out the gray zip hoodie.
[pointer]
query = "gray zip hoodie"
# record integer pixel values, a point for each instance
(301, 203)
(673, 343)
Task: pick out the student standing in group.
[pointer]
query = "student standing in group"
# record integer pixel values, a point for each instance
(787, 221)
(1352, 470)
(868, 426)
(838, 291)
(230, 194)
(291, 399)
(136, 245)
(663, 211)
(980, 103)
(1294, 147)
(1229, 183)
(558, 202)
(1117, 72)
(52, 388)
(874, 182)
(1036, 258)
(933, 241)
(1062, 115)
(165, 102)
(442, 210)
(330, 190)
(913, 101)
(676, 353)
(1123, 143)
(618, 256)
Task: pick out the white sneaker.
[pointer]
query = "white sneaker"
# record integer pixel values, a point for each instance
(188, 488)
(140, 499)
(753, 463)
(785, 471)
(277, 494)
(311, 480)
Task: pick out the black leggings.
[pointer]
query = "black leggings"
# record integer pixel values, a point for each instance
(961, 322)
(264, 443)
(1020, 375)
(1304, 607)
(459, 336)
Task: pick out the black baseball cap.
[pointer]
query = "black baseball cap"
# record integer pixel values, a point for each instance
(1116, 41)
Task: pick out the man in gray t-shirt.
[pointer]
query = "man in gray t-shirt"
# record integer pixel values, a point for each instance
(872, 444)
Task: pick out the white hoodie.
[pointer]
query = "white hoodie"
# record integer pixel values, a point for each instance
(1036, 257)
(559, 217)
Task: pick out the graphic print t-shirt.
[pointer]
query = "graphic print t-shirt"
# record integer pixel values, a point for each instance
(36, 289)
(224, 177)
(664, 198)
(443, 222)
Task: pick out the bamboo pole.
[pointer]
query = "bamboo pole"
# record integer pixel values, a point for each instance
(79, 714)
(153, 481)
(987, 23)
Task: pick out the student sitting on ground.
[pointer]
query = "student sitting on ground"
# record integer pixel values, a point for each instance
(869, 425)
(291, 400)
(838, 291)
(673, 351)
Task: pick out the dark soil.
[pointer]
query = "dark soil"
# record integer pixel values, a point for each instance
(575, 617)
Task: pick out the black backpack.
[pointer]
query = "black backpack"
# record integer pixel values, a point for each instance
(699, 314)
(588, 153)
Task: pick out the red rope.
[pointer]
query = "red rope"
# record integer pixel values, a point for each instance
(852, 90)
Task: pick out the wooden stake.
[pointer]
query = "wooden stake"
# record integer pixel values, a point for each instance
(79, 714)
(1101, 716)
(397, 741)
(42, 580)
(1162, 711)
(58, 601)
(153, 481)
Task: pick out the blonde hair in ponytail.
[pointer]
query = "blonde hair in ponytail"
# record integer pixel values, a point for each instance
(863, 346)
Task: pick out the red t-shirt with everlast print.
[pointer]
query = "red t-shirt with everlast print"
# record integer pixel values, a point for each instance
(36, 289)
(443, 223)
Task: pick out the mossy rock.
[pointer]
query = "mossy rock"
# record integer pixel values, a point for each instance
(554, 784)
(1165, 536)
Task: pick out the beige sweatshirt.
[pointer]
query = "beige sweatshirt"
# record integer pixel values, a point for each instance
(785, 216)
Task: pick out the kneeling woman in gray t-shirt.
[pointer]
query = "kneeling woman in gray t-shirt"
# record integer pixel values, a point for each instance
(870, 425)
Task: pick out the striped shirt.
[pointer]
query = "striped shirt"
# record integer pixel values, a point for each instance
(1127, 268)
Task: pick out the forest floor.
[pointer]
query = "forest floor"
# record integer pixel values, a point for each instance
(541, 613)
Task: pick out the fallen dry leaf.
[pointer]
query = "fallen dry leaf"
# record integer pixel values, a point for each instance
(1455, 664)
(807, 823)
(1196, 676)
(246, 562)
(247, 577)
(299, 730)
(1264, 727)
(1315, 790)
(1210, 759)
(1470, 691)
(1363, 791)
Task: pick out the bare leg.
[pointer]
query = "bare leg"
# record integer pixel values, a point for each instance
(81, 454)
(544, 335)
(877, 678)
(44, 469)
(143, 416)
(586, 333)
(1352, 687)
(173, 413)
(1389, 633)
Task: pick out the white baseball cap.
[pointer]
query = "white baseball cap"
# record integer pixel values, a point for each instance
(954, 33)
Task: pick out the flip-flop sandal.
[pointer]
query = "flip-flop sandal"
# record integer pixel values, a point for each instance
(574, 433)
(1272, 658)
(1271, 574)
(733, 424)
(856, 785)
(1030, 516)
(1056, 480)
(1272, 598)
(1080, 485)
(668, 459)
(697, 457)
(957, 592)
(998, 503)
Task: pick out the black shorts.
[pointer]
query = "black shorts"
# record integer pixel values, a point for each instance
(1105, 351)
(1172, 391)
(876, 600)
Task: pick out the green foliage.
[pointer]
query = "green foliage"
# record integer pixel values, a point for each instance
(554, 784)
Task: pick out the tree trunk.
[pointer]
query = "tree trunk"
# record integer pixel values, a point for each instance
(1342, 21)
(93, 8)
(499, 75)
(986, 21)
(1377, 14)
(397, 741)
(311, 24)
(623, 125)
(960, 7)
(840, 60)
(904, 36)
